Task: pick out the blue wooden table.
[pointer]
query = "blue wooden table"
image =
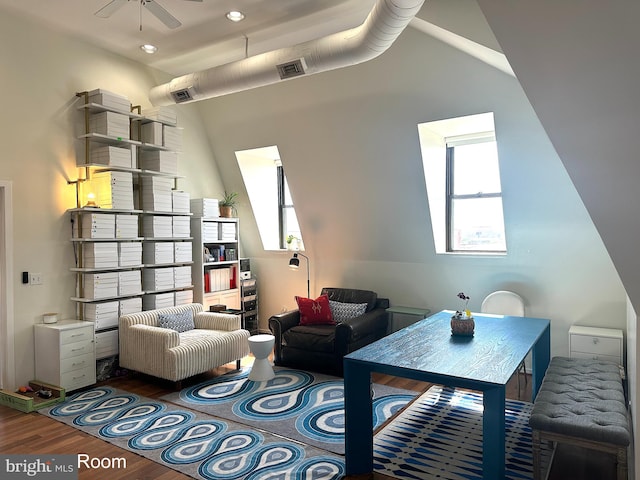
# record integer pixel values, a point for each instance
(428, 352)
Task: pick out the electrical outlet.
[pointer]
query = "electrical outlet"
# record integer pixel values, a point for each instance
(35, 279)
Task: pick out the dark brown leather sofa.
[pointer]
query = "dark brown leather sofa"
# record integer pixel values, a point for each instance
(320, 348)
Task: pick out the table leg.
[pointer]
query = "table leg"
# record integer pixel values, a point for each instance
(540, 357)
(493, 434)
(358, 412)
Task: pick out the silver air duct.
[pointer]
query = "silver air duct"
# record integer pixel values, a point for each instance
(381, 28)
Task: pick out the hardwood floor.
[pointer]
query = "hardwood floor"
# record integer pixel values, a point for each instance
(32, 433)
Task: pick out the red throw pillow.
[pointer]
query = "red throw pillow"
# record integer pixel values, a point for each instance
(315, 312)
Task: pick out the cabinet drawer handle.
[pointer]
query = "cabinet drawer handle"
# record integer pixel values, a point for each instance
(81, 376)
(77, 335)
(595, 340)
(76, 364)
(77, 349)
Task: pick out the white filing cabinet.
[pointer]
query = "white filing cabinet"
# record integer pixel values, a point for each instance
(65, 354)
(596, 343)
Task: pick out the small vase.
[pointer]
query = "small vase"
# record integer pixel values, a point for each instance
(462, 325)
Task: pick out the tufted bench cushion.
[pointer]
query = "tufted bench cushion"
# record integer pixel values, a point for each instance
(582, 398)
(581, 402)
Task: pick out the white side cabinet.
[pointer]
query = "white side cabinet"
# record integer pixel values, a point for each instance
(65, 354)
(596, 343)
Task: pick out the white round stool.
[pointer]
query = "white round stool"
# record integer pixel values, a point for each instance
(261, 346)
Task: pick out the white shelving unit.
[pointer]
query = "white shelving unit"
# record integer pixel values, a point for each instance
(133, 292)
(216, 281)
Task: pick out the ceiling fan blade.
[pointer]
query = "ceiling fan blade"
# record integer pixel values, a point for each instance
(161, 14)
(110, 8)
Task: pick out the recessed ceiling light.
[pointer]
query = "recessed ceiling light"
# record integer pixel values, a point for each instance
(235, 16)
(148, 48)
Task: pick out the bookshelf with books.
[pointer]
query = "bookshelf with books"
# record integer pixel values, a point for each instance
(216, 260)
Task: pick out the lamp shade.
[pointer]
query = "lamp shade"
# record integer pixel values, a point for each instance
(294, 262)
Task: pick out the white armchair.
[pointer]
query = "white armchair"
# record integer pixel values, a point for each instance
(166, 353)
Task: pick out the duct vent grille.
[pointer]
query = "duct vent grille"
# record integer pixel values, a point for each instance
(291, 69)
(181, 96)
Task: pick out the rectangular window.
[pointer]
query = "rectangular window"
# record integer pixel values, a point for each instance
(474, 216)
(288, 222)
(270, 199)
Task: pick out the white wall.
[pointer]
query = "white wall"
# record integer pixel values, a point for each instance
(42, 71)
(580, 78)
(349, 145)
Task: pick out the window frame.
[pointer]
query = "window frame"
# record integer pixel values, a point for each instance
(282, 206)
(450, 146)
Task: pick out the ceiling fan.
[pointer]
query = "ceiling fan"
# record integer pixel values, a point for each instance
(154, 7)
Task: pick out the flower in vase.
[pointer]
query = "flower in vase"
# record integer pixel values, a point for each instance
(465, 312)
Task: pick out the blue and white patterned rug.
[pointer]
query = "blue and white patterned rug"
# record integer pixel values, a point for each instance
(440, 436)
(195, 444)
(304, 406)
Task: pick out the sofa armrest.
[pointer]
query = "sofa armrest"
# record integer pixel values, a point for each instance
(143, 347)
(356, 328)
(284, 321)
(278, 324)
(217, 321)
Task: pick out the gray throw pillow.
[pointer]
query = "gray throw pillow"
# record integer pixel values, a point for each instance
(180, 322)
(342, 311)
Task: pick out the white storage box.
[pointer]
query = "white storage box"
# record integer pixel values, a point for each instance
(110, 124)
(227, 232)
(172, 137)
(205, 207)
(181, 227)
(151, 133)
(106, 344)
(96, 225)
(182, 252)
(182, 276)
(104, 314)
(157, 184)
(158, 253)
(126, 226)
(111, 156)
(156, 201)
(130, 254)
(159, 161)
(113, 190)
(210, 232)
(157, 226)
(100, 255)
(161, 114)
(180, 201)
(129, 282)
(184, 297)
(130, 305)
(158, 300)
(158, 278)
(109, 99)
(100, 285)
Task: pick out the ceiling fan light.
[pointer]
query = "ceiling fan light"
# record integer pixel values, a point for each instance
(235, 16)
(148, 48)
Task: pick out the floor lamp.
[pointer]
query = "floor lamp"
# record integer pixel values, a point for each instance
(294, 263)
